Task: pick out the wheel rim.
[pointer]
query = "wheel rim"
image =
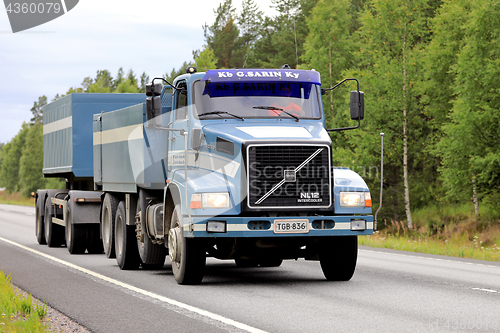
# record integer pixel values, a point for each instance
(118, 235)
(173, 245)
(37, 221)
(69, 228)
(105, 226)
(48, 220)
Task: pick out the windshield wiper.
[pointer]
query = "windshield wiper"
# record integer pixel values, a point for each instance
(273, 108)
(219, 114)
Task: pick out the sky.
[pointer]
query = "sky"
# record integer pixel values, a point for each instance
(152, 36)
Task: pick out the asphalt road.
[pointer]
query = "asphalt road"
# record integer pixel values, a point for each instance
(391, 291)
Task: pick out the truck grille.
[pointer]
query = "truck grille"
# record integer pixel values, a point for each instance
(288, 176)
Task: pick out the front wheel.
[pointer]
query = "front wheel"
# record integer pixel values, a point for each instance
(338, 256)
(188, 256)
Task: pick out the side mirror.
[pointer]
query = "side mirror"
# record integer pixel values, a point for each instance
(357, 105)
(151, 112)
(153, 89)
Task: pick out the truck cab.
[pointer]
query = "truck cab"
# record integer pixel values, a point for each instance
(251, 177)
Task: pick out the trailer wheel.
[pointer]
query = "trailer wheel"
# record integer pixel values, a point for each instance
(127, 255)
(338, 256)
(188, 256)
(54, 234)
(75, 235)
(152, 255)
(40, 232)
(94, 242)
(109, 206)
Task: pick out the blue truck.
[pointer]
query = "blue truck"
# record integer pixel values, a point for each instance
(231, 164)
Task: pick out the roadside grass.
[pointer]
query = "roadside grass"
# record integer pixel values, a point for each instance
(451, 231)
(15, 198)
(18, 312)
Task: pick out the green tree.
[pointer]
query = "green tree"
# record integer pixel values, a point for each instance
(12, 152)
(1, 154)
(222, 36)
(469, 149)
(103, 83)
(37, 111)
(206, 60)
(176, 72)
(144, 81)
(120, 77)
(392, 35)
(31, 161)
(249, 24)
(283, 36)
(329, 47)
(441, 54)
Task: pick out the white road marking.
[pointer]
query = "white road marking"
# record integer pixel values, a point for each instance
(164, 299)
(487, 290)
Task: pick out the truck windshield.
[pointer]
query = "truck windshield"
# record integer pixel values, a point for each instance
(252, 100)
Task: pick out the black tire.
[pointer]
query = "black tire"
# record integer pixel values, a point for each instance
(127, 255)
(152, 255)
(76, 236)
(188, 256)
(40, 231)
(270, 262)
(94, 242)
(108, 215)
(338, 256)
(54, 234)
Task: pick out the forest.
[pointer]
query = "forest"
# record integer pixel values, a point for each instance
(430, 71)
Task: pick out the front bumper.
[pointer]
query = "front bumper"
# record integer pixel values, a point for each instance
(245, 226)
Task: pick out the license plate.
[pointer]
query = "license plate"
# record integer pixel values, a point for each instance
(291, 226)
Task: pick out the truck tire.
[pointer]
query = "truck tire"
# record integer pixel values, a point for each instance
(94, 242)
(338, 256)
(188, 256)
(54, 234)
(152, 255)
(109, 206)
(75, 235)
(40, 232)
(127, 255)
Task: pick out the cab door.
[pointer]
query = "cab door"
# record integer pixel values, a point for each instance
(179, 119)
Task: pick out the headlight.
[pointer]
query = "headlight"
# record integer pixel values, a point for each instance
(210, 200)
(355, 199)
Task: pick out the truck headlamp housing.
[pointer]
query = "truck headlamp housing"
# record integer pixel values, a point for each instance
(210, 200)
(355, 199)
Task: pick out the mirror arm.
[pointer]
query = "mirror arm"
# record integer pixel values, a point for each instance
(153, 99)
(170, 84)
(338, 84)
(344, 128)
(323, 91)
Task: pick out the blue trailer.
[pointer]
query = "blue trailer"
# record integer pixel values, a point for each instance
(231, 164)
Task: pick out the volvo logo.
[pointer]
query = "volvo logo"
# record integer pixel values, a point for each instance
(290, 176)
